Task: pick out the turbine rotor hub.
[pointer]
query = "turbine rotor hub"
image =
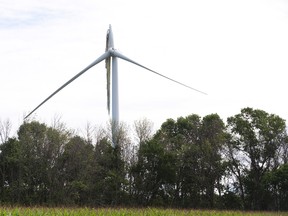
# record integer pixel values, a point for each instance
(112, 51)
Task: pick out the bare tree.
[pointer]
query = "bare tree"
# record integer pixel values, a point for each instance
(5, 129)
(100, 133)
(143, 130)
(88, 133)
(283, 150)
(56, 123)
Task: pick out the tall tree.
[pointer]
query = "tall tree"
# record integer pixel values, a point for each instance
(153, 174)
(109, 174)
(191, 151)
(255, 138)
(30, 164)
(77, 164)
(32, 138)
(10, 184)
(213, 138)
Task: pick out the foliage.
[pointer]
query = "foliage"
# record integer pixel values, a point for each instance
(255, 137)
(181, 165)
(276, 184)
(190, 162)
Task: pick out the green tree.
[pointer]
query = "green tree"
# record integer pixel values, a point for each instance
(30, 165)
(255, 138)
(213, 138)
(154, 174)
(32, 138)
(189, 150)
(9, 171)
(276, 182)
(182, 138)
(56, 140)
(109, 174)
(77, 165)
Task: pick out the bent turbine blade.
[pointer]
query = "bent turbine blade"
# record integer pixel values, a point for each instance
(108, 75)
(119, 55)
(101, 58)
(108, 67)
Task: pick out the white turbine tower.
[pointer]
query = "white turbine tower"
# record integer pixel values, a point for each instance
(109, 56)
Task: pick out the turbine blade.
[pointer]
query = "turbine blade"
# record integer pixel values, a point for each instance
(108, 74)
(119, 55)
(101, 58)
(108, 70)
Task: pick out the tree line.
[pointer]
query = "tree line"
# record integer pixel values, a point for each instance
(191, 162)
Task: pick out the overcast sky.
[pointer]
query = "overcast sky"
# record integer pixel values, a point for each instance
(235, 51)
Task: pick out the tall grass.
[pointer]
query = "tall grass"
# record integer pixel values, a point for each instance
(123, 212)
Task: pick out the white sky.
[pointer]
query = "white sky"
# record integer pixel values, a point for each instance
(236, 51)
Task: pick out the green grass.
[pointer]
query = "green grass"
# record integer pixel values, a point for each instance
(123, 212)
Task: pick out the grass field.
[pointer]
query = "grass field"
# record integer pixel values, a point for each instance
(122, 212)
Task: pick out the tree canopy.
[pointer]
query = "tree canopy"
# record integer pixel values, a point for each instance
(190, 162)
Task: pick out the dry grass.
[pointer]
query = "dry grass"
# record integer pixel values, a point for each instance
(126, 211)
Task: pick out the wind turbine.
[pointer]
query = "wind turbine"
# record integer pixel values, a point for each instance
(110, 56)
